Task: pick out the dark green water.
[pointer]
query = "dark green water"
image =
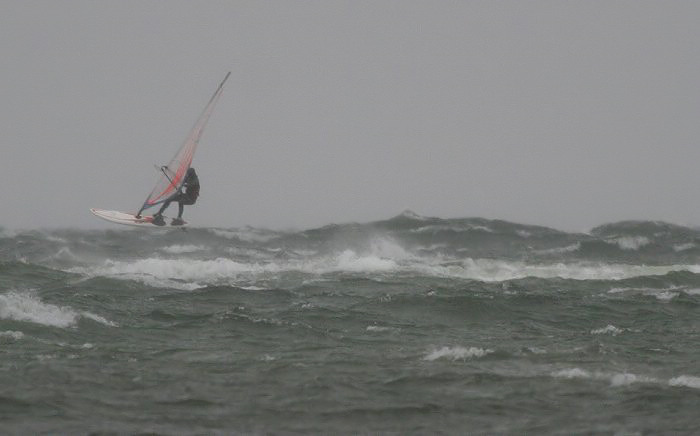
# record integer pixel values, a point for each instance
(405, 326)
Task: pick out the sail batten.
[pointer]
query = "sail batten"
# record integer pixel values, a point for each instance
(168, 186)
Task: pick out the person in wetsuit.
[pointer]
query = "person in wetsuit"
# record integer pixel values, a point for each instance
(187, 196)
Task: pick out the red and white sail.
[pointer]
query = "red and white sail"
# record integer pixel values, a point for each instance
(173, 174)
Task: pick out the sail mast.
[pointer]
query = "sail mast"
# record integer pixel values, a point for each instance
(170, 182)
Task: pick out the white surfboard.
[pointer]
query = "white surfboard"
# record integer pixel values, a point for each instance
(129, 219)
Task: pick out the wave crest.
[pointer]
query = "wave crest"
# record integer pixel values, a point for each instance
(27, 307)
(457, 353)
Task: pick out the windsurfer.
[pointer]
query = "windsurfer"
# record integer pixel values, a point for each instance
(187, 197)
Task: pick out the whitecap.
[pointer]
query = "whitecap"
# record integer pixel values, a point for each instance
(626, 379)
(630, 242)
(382, 256)
(350, 261)
(666, 295)
(388, 248)
(663, 294)
(412, 215)
(26, 307)
(180, 249)
(455, 353)
(685, 381)
(560, 250)
(572, 373)
(616, 380)
(683, 247)
(99, 319)
(252, 288)
(609, 329)
(377, 328)
(166, 272)
(435, 228)
(500, 270)
(11, 334)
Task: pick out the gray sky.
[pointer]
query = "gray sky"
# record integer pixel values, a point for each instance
(560, 113)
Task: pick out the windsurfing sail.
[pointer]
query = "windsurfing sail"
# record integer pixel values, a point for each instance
(172, 174)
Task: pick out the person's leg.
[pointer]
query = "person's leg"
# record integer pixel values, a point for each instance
(181, 202)
(162, 208)
(178, 221)
(158, 216)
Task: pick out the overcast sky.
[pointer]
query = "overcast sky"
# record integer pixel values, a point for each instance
(560, 113)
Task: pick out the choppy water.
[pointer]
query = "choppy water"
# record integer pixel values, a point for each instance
(409, 325)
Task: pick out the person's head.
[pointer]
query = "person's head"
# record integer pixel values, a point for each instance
(190, 173)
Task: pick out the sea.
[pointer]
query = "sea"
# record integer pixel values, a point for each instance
(408, 325)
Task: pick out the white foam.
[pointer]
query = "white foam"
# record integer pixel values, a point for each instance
(630, 242)
(54, 238)
(683, 247)
(455, 353)
(615, 379)
(412, 215)
(451, 228)
(663, 294)
(161, 272)
(377, 328)
(687, 381)
(179, 249)
(666, 295)
(499, 270)
(12, 334)
(626, 379)
(609, 329)
(172, 272)
(382, 255)
(388, 248)
(27, 307)
(348, 260)
(572, 373)
(252, 288)
(99, 319)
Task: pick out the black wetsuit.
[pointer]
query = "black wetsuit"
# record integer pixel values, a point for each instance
(188, 193)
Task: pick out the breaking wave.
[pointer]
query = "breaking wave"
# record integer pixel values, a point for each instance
(21, 306)
(192, 273)
(457, 353)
